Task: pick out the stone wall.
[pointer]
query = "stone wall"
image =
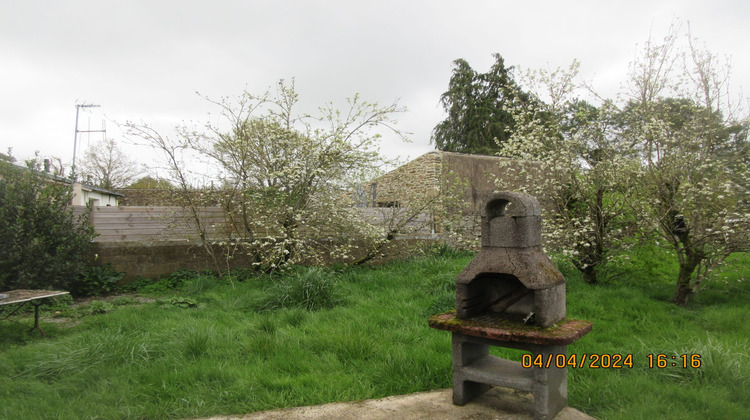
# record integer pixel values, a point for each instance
(417, 177)
(428, 173)
(479, 172)
(475, 176)
(155, 241)
(433, 170)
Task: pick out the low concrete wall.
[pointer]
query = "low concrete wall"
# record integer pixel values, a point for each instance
(157, 260)
(153, 261)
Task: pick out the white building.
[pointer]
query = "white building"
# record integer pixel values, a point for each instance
(87, 194)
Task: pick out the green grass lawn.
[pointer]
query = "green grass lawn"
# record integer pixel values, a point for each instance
(211, 347)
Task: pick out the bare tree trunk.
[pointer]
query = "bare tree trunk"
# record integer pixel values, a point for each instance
(689, 261)
(589, 275)
(685, 289)
(684, 292)
(595, 254)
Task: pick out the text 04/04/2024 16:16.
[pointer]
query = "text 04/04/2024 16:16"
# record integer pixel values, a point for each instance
(608, 361)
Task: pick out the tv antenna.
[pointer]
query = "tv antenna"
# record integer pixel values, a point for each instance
(75, 137)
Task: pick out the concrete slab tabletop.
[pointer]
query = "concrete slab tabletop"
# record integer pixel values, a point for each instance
(495, 327)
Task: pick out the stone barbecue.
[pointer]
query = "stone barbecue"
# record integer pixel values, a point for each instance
(511, 295)
(512, 276)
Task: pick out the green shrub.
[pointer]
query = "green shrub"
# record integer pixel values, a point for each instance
(97, 280)
(243, 274)
(178, 278)
(43, 245)
(310, 289)
(171, 282)
(139, 285)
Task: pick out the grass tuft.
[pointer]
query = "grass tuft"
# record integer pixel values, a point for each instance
(310, 289)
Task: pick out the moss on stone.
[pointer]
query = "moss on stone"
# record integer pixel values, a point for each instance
(500, 327)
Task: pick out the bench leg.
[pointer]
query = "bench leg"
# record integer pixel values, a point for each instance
(36, 318)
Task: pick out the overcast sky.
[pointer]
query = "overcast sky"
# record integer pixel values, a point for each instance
(144, 60)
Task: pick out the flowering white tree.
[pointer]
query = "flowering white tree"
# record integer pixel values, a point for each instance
(671, 158)
(285, 180)
(581, 175)
(688, 191)
(286, 177)
(693, 140)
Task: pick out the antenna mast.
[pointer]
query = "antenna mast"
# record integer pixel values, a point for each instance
(75, 137)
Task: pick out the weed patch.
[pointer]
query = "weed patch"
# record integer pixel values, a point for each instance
(310, 289)
(97, 280)
(178, 302)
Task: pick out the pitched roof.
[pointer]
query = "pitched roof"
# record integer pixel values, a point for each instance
(58, 178)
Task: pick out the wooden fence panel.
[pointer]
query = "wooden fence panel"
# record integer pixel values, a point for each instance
(153, 224)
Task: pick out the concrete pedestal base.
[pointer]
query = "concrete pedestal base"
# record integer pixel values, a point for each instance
(475, 370)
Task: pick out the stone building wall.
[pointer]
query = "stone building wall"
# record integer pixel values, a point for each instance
(420, 176)
(480, 172)
(472, 176)
(434, 170)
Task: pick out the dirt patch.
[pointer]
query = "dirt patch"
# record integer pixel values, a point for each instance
(82, 301)
(63, 321)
